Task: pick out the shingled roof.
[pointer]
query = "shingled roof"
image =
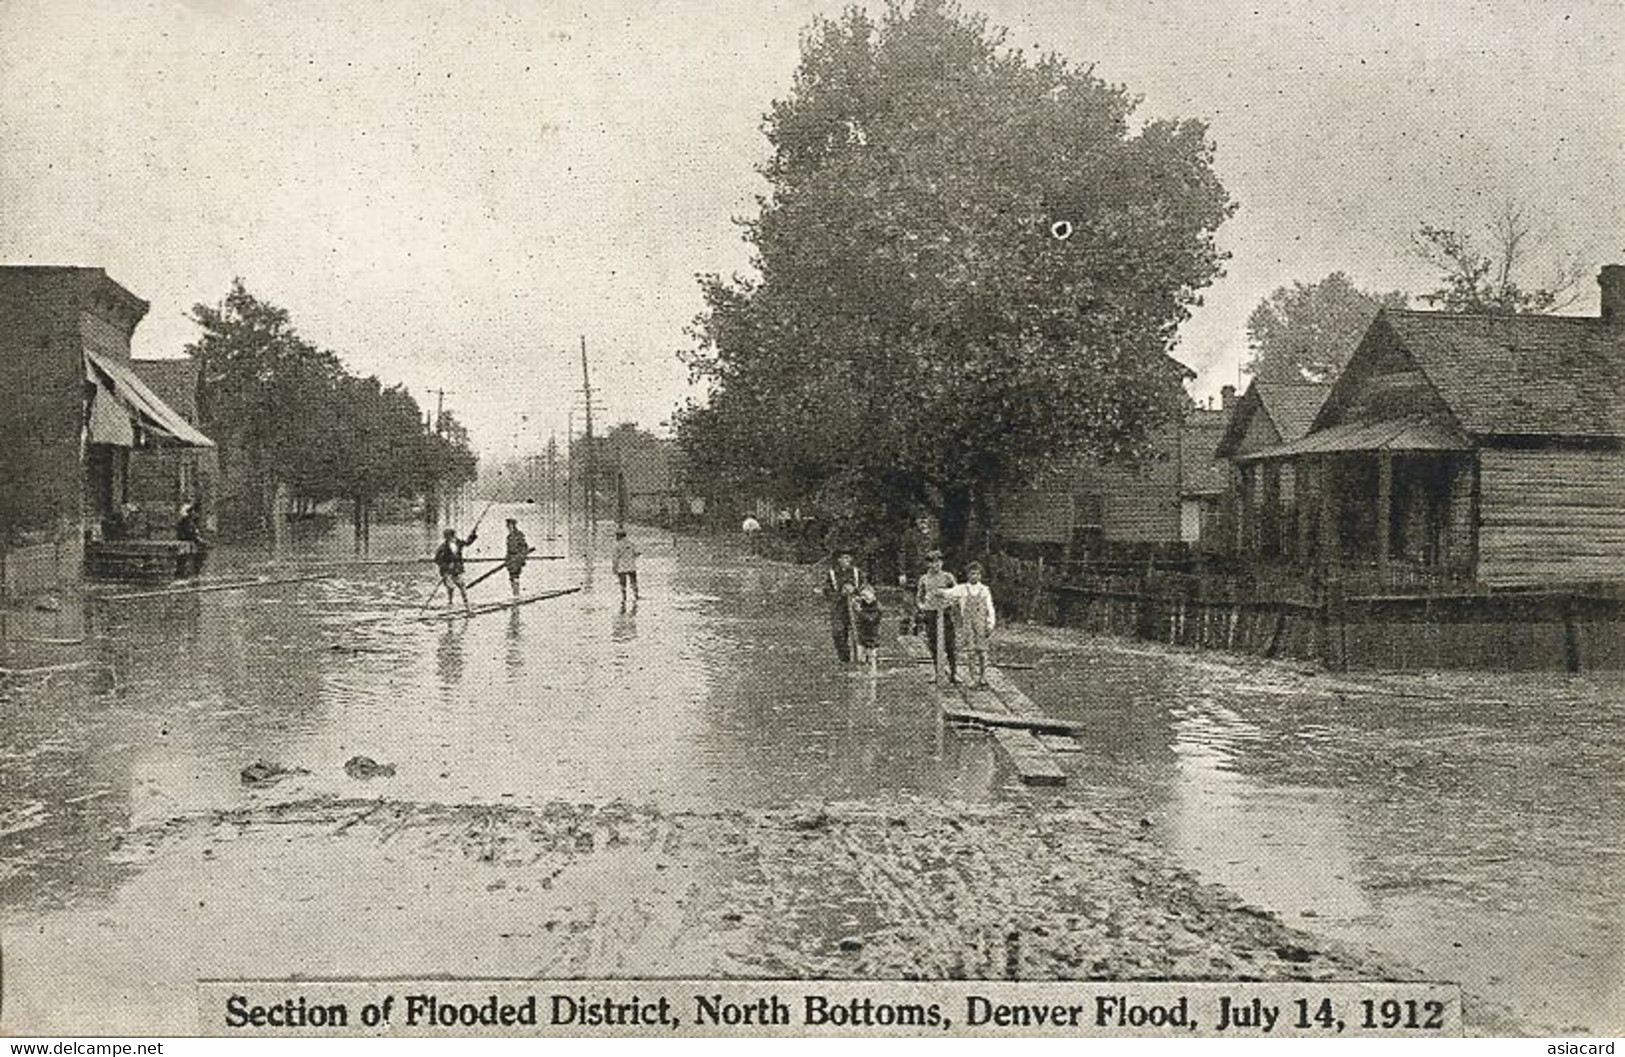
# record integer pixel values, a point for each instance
(1291, 408)
(1520, 375)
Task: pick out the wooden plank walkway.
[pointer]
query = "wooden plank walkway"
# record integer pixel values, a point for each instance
(1033, 761)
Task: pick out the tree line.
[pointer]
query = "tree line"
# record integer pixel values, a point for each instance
(1308, 331)
(288, 416)
(970, 262)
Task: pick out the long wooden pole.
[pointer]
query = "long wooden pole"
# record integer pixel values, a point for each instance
(492, 572)
(205, 588)
(590, 499)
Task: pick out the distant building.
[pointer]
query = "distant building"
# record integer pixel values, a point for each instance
(1261, 501)
(1480, 448)
(75, 411)
(1087, 508)
(645, 473)
(1204, 478)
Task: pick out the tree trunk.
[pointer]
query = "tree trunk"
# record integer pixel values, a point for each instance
(955, 519)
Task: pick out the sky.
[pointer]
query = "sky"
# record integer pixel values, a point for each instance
(453, 195)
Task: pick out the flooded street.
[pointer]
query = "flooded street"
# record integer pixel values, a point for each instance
(1469, 827)
(1468, 824)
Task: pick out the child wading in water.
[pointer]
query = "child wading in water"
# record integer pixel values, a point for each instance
(868, 615)
(976, 620)
(624, 562)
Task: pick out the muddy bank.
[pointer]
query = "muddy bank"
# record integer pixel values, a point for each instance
(885, 890)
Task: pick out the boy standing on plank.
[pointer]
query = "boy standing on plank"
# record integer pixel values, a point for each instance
(976, 616)
(936, 611)
(448, 558)
(517, 550)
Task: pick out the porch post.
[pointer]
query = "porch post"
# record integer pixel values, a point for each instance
(1385, 506)
(1331, 548)
(1305, 489)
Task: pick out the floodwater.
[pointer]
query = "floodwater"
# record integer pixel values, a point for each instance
(1470, 826)
(710, 692)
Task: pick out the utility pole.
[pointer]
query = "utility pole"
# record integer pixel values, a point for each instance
(586, 390)
(440, 407)
(553, 485)
(437, 497)
(620, 493)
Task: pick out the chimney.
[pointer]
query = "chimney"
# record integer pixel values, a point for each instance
(1227, 397)
(1612, 281)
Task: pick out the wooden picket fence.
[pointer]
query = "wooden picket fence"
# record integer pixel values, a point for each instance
(1351, 618)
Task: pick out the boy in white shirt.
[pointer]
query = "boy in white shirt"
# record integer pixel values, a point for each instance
(976, 620)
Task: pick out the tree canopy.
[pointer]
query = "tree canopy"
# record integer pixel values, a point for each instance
(1307, 331)
(969, 260)
(287, 412)
(1489, 271)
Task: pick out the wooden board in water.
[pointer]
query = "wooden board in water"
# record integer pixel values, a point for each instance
(497, 607)
(986, 718)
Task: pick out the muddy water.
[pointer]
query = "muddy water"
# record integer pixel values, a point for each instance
(709, 692)
(1473, 825)
(1470, 826)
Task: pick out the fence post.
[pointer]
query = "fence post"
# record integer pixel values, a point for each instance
(1337, 626)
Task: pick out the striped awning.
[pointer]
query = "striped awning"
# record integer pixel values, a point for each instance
(1400, 434)
(119, 390)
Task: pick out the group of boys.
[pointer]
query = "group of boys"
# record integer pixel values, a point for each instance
(944, 608)
(448, 559)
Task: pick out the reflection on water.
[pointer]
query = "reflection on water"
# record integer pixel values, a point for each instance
(695, 699)
(1288, 845)
(448, 659)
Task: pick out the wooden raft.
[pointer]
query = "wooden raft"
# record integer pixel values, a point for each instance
(1011, 730)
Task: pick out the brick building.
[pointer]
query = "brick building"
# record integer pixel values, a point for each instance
(75, 410)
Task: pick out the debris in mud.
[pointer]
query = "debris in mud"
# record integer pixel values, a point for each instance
(850, 944)
(263, 773)
(365, 767)
(1290, 953)
(809, 821)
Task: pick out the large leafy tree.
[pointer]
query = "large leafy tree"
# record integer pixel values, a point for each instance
(968, 261)
(1307, 331)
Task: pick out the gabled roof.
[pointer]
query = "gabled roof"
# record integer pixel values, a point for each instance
(1519, 375)
(1290, 407)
